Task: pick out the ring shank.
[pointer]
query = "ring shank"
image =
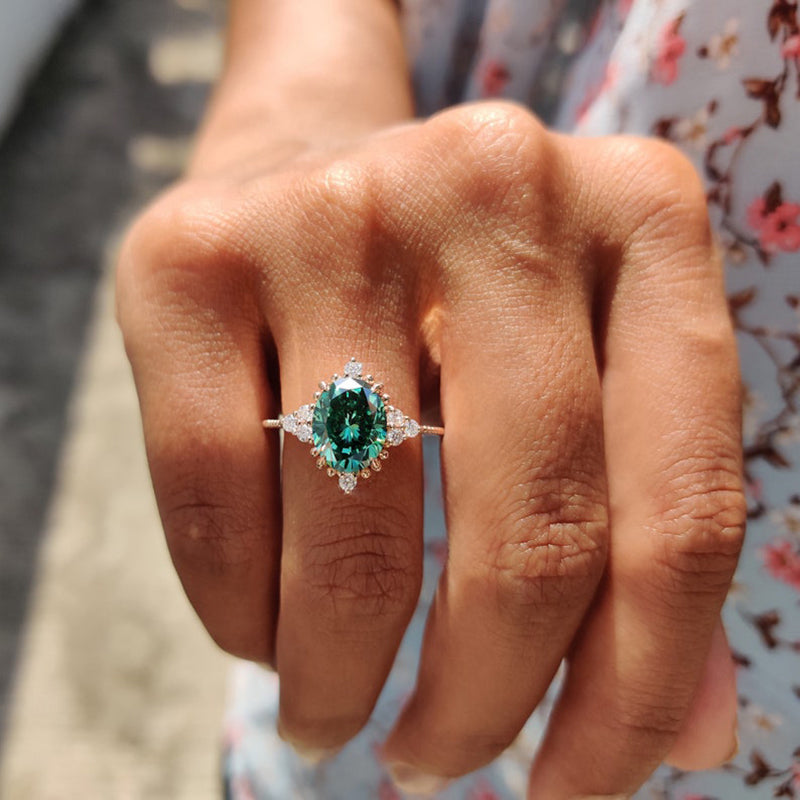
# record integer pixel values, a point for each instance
(427, 430)
(431, 430)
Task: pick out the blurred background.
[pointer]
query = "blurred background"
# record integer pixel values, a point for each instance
(109, 688)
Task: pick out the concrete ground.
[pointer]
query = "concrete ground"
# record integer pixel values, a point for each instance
(109, 687)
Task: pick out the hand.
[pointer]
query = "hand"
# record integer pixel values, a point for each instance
(567, 295)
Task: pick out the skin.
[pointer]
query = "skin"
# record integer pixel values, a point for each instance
(593, 496)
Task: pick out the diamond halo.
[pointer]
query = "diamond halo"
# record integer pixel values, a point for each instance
(351, 426)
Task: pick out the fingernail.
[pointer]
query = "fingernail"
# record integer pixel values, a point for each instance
(413, 781)
(311, 755)
(602, 797)
(314, 755)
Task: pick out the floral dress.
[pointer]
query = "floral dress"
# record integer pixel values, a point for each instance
(721, 80)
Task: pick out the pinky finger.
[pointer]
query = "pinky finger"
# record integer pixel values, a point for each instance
(705, 740)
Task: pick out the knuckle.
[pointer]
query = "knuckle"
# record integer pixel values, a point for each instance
(342, 201)
(556, 551)
(496, 126)
(350, 188)
(645, 715)
(496, 163)
(180, 231)
(504, 151)
(215, 545)
(701, 528)
(178, 247)
(209, 538)
(711, 340)
(662, 188)
(369, 574)
(703, 342)
(346, 211)
(183, 284)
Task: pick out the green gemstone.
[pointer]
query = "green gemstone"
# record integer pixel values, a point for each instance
(349, 425)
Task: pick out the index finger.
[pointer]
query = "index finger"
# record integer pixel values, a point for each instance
(194, 338)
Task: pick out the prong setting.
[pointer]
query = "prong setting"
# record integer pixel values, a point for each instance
(351, 425)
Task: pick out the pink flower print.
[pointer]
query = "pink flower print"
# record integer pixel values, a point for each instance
(241, 789)
(483, 791)
(732, 134)
(782, 561)
(595, 25)
(624, 8)
(597, 90)
(671, 46)
(692, 130)
(723, 46)
(755, 489)
(779, 228)
(495, 78)
(439, 550)
(232, 735)
(791, 47)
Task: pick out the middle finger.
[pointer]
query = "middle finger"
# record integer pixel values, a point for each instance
(352, 563)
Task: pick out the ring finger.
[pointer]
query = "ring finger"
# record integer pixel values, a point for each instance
(352, 562)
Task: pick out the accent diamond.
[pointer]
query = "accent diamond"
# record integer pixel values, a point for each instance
(289, 423)
(352, 369)
(304, 413)
(347, 482)
(396, 418)
(395, 437)
(303, 433)
(412, 429)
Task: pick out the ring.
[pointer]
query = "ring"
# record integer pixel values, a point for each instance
(351, 425)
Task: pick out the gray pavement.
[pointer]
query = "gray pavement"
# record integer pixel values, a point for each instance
(67, 184)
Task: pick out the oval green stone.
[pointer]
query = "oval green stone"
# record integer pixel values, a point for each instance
(349, 425)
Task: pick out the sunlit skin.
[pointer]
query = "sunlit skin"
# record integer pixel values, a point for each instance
(593, 494)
